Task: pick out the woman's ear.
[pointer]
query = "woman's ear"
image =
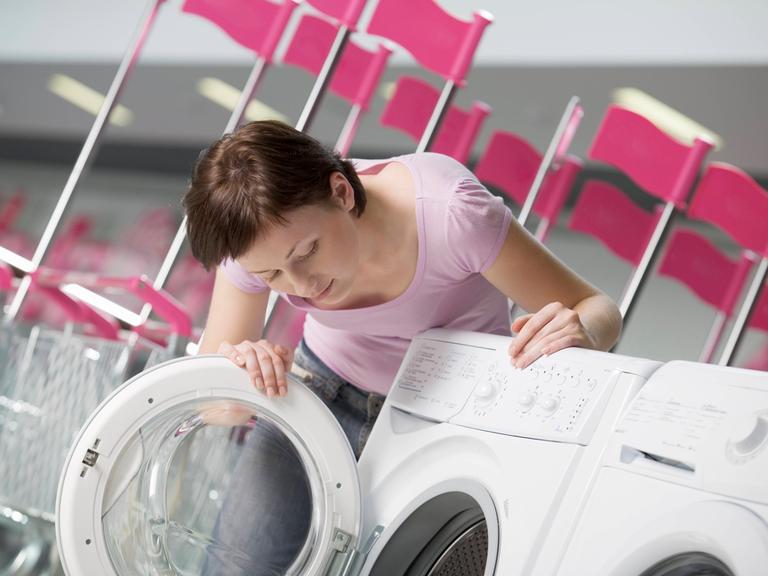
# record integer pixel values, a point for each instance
(342, 193)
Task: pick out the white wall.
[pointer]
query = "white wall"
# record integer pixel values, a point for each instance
(535, 32)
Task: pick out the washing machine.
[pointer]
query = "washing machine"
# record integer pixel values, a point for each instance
(683, 488)
(463, 472)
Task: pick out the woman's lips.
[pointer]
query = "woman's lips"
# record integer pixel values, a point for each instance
(324, 293)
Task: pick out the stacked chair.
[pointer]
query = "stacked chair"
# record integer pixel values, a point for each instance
(410, 109)
(664, 168)
(732, 201)
(536, 183)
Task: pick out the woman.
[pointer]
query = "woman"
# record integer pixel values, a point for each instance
(376, 252)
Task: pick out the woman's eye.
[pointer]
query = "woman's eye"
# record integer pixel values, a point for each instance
(274, 275)
(312, 250)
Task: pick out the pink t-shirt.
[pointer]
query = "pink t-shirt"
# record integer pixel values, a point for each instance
(461, 228)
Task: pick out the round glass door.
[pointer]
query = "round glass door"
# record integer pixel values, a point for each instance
(212, 498)
(207, 484)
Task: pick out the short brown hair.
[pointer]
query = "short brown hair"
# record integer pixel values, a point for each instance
(249, 180)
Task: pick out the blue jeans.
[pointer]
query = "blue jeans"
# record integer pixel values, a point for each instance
(266, 515)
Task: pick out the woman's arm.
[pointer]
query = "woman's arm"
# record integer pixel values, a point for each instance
(234, 327)
(565, 309)
(234, 316)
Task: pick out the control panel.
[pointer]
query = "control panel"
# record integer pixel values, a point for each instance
(468, 379)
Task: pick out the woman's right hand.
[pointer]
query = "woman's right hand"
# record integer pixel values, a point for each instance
(266, 364)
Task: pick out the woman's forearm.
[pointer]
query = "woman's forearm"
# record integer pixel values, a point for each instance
(601, 318)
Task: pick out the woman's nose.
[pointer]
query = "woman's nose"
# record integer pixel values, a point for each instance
(306, 285)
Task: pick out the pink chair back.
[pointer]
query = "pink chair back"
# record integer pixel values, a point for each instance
(714, 277)
(731, 200)
(603, 211)
(659, 164)
(510, 163)
(256, 24)
(437, 40)
(410, 109)
(358, 71)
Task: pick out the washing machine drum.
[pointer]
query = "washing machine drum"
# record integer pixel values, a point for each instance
(188, 470)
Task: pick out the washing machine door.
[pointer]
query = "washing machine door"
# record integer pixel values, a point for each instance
(188, 470)
(712, 538)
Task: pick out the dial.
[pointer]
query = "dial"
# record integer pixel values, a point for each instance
(485, 391)
(549, 404)
(751, 437)
(526, 400)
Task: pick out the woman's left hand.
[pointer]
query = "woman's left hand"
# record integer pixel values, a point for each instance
(552, 328)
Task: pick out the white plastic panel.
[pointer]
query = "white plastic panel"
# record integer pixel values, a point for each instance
(701, 424)
(468, 379)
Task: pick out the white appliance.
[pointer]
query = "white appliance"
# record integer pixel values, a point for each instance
(463, 472)
(684, 485)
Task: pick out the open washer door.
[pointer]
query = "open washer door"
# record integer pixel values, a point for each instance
(172, 475)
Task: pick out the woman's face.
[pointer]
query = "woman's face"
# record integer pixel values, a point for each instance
(315, 255)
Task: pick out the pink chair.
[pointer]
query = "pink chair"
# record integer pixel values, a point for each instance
(354, 79)
(510, 164)
(730, 200)
(734, 202)
(661, 166)
(711, 275)
(517, 169)
(167, 307)
(447, 46)
(411, 107)
(255, 24)
(346, 13)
